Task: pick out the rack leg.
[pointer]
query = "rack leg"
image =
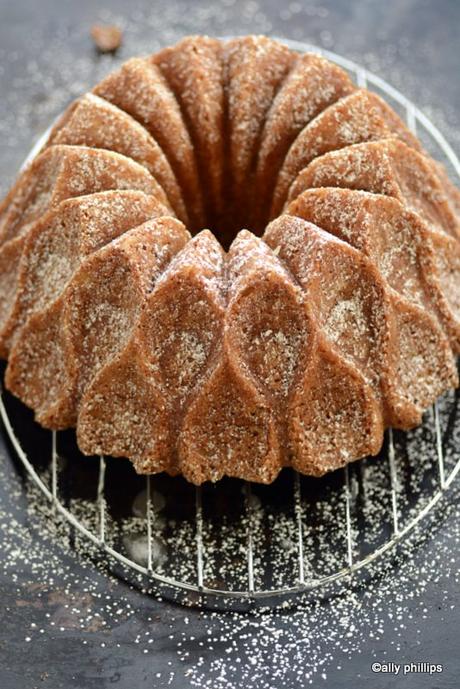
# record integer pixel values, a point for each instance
(394, 482)
(101, 499)
(348, 517)
(199, 535)
(298, 513)
(249, 540)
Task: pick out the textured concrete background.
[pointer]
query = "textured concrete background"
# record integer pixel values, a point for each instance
(46, 58)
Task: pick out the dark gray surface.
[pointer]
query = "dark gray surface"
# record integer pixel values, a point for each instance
(414, 45)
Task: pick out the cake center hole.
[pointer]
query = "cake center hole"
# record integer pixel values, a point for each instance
(228, 225)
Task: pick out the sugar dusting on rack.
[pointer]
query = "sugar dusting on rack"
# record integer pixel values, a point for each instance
(292, 643)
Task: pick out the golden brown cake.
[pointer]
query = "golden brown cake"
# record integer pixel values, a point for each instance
(232, 352)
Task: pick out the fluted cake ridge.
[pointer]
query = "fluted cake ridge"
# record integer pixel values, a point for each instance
(320, 308)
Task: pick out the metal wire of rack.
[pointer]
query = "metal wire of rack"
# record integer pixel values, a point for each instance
(198, 586)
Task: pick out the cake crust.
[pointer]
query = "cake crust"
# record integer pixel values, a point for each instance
(230, 352)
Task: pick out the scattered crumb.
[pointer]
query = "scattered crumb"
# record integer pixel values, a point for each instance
(107, 38)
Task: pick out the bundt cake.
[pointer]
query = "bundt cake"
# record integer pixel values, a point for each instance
(236, 352)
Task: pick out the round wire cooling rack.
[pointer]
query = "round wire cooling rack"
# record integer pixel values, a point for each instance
(234, 544)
